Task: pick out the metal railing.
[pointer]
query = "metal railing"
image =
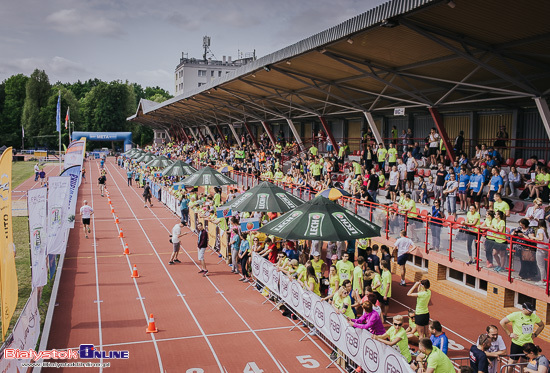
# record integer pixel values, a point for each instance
(448, 236)
(502, 363)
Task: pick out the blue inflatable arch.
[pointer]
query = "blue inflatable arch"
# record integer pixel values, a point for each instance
(106, 136)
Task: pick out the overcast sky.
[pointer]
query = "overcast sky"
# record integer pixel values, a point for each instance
(142, 41)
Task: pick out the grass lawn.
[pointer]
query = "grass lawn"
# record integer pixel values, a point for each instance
(21, 171)
(22, 264)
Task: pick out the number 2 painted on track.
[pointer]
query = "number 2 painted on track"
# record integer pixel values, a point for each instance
(308, 362)
(252, 368)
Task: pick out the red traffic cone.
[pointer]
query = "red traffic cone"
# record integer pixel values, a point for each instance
(135, 272)
(120, 234)
(126, 250)
(151, 328)
(116, 220)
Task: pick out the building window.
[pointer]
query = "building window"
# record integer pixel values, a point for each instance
(202, 72)
(212, 73)
(418, 261)
(219, 73)
(522, 298)
(466, 280)
(201, 84)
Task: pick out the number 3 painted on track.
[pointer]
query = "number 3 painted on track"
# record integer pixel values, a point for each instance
(308, 362)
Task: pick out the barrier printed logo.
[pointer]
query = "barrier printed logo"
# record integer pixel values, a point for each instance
(308, 304)
(287, 201)
(314, 224)
(295, 293)
(266, 272)
(287, 221)
(352, 341)
(262, 200)
(392, 365)
(335, 326)
(319, 315)
(256, 266)
(284, 284)
(346, 223)
(371, 357)
(91, 352)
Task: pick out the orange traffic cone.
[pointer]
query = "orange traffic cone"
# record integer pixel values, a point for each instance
(112, 210)
(126, 250)
(116, 220)
(135, 272)
(120, 234)
(151, 328)
(110, 203)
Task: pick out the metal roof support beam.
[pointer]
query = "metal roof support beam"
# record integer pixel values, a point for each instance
(193, 133)
(210, 134)
(254, 140)
(296, 134)
(222, 136)
(235, 134)
(438, 120)
(544, 112)
(329, 133)
(269, 132)
(372, 125)
(204, 141)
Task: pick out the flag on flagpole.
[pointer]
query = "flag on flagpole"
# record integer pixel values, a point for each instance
(67, 118)
(58, 114)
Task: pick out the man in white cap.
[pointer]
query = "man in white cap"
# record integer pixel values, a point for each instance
(86, 212)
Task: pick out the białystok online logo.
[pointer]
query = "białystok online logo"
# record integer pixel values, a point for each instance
(86, 351)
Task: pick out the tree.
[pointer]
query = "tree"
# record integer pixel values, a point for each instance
(151, 92)
(48, 115)
(37, 94)
(11, 109)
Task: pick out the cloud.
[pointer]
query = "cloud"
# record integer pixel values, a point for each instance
(159, 77)
(72, 21)
(57, 68)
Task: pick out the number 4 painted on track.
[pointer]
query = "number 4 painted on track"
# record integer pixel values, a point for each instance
(308, 362)
(252, 368)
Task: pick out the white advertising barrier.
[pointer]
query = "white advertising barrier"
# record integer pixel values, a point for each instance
(357, 344)
(163, 196)
(38, 222)
(75, 153)
(74, 172)
(58, 224)
(24, 336)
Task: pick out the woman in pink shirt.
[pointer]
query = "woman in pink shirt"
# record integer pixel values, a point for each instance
(370, 320)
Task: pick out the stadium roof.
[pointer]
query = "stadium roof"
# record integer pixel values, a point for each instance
(413, 54)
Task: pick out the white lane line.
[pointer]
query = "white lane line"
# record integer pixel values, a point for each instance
(167, 272)
(281, 368)
(96, 281)
(446, 327)
(187, 337)
(140, 298)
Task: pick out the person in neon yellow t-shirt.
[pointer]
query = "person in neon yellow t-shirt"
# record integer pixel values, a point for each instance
(311, 281)
(436, 360)
(392, 155)
(422, 313)
(397, 335)
(358, 276)
(342, 302)
(344, 267)
(381, 153)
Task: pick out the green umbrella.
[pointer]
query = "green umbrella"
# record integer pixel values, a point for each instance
(179, 168)
(265, 197)
(147, 157)
(208, 177)
(137, 154)
(321, 219)
(160, 161)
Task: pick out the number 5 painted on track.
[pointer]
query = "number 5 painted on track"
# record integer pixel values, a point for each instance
(308, 362)
(252, 368)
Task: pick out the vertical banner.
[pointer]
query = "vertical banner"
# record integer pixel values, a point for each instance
(8, 275)
(58, 224)
(38, 222)
(75, 153)
(74, 172)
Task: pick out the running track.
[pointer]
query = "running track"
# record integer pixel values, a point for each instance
(205, 324)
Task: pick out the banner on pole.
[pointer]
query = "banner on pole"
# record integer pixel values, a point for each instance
(8, 275)
(74, 172)
(58, 223)
(38, 223)
(75, 153)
